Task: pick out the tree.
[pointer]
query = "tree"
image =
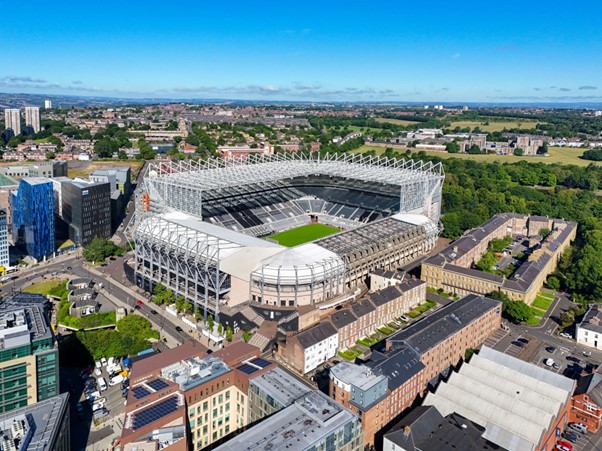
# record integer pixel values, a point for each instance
(210, 323)
(229, 333)
(452, 147)
(487, 261)
(105, 147)
(519, 152)
(220, 328)
(14, 142)
(553, 283)
(544, 231)
(99, 249)
(474, 149)
(180, 301)
(518, 310)
(138, 326)
(123, 155)
(246, 335)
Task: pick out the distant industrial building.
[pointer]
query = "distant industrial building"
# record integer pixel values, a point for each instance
(32, 208)
(12, 122)
(29, 355)
(43, 426)
(32, 119)
(50, 169)
(86, 208)
(520, 406)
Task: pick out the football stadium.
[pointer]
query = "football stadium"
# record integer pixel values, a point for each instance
(281, 231)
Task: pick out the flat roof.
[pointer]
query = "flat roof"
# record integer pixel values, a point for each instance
(359, 376)
(5, 180)
(305, 423)
(43, 421)
(23, 318)
(424, 334)
(142, 368)
(281, 386)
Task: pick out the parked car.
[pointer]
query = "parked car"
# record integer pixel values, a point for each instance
(405, 318)
(556, 366)
(571, 436)
(115, 380)
(100, 413)
(580, 427)
(551, 349)
(103, 361)
(549, 362)
(179, 329)
(565, 335)
(565, 445)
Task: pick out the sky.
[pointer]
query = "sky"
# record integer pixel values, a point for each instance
(420, 51)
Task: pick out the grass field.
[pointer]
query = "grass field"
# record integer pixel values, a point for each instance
(495, 126)
(303, 234)
(561, 155)
(84, 169)
(44, 287)
(395, 121)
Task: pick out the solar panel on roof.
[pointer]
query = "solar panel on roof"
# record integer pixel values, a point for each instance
(140, 392)
(247, 369)
(157, 384)
(155, 412)
(261, 362)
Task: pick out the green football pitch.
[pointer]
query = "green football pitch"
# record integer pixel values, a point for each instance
(303, 234)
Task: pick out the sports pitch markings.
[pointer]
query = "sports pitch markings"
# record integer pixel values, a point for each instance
(303, 234)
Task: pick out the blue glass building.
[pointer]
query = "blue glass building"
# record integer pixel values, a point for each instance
(33, 216)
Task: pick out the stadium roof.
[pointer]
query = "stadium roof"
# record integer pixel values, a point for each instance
(222, 173)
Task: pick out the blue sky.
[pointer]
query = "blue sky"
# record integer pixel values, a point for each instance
(312, 50)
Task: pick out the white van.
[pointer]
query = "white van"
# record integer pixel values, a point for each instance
(102, 384)
(549, 362)
(103, 361)
(116, 380)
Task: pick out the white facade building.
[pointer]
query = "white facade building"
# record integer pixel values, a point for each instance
(4, 258)
(319, 344)
(589, 330)
(47, 104)
(12, 120)
(32, 118)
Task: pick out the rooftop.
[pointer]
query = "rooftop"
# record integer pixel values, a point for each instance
(5, 180)
(142, 368)
(281, 386)
(23, 318)
(424, 334)
(592, 320)
(300, 426)
(193, 371)
(359, 376)
(399, 365)
(516, 402)
(36, 425)
(316, 334)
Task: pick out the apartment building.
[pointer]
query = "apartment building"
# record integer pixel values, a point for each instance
(313, 422)
(4, 255)
(518, 404)
(12, 122)
(29, 366)
(32, 119)
(413, 358)
(589, 330)
(442, 338)
(310, 348)
(452, 269)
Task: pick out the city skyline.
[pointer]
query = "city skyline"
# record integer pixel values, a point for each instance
(433, 52)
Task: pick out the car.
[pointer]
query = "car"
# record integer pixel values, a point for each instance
(579, 427)
(336, 362)
(103, 361)
(405, 318)
(565, 444)
(523, 340)
(153, 311)
(556, 366)
(587, 353)
(520, 344)
(179, 329)
(69, 268)
(572, 358)
(565, 335)
(139, 302)
(551, 349)
(100, 413)
(571, 436)
(548, 362)
(327, 366)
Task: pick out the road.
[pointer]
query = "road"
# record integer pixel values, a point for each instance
(118, 293)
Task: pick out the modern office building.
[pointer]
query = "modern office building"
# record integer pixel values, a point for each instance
(120, 178)
(4, 257)
(86, 208)
(43, 426)
(32, 208)
(32, 119)
(47, 104)
(29, 359)
(12, 122)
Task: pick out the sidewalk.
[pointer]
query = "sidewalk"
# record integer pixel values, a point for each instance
(99, 440)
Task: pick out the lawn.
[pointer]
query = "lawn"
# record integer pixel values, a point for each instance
(55, 287)
(385, 330)
(395, 121)
(494, 126)
(350, 354)
(534, 321)
(542, 302)
(303, 234)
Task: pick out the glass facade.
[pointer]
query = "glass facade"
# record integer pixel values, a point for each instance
(33, 216)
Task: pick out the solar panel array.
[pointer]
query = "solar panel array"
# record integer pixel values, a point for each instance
(155, 412)
(140, 392)
(157, 384)
(247, 369)
(261, 362)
